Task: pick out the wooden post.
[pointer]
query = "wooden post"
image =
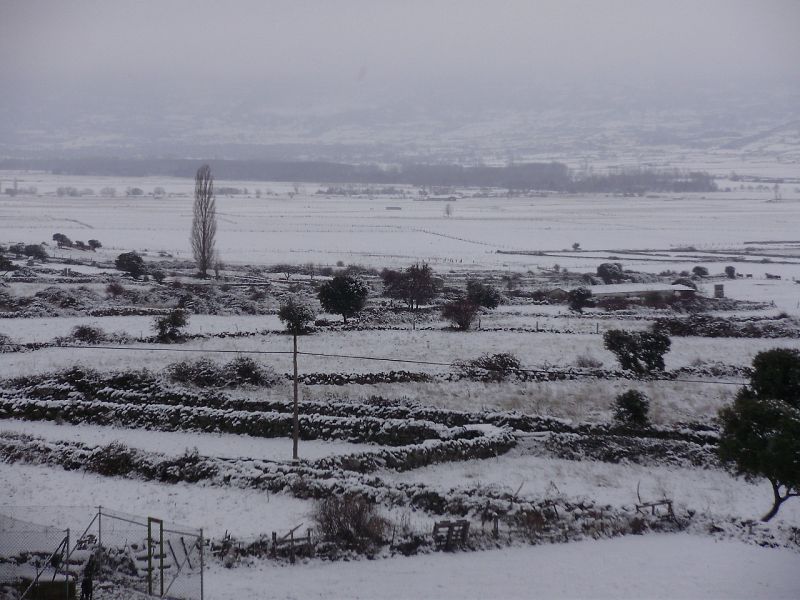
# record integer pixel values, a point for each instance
(161, 556)
(100, 526)
(202, 564)
(66, 564)
(296, 418)
(149, 556)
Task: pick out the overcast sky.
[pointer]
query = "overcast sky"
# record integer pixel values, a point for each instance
(353, 51)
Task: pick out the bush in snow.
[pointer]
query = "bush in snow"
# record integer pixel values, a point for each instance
(579, 298)
(483, 294)
(460, 312)
(35, 251)
(350, 521)
(641, 352)
(586, 361)
(489, 367)
(88, 334)
(610, 272)
(206, 373)
(296, 315)
(244, 370)
(131, 263)
(169, 328)
(114, 289)
(632, 408)
(112, 459)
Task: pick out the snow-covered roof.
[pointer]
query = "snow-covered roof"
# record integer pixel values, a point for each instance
(637, 288)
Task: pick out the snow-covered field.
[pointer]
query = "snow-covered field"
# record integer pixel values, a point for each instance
(320, 229)
(657, 566)
(707, 491)
(52, 496)
(314, 228)
(175, 442)
(533, 349)
(46, 328)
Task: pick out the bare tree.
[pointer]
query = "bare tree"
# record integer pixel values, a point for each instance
(204, 223)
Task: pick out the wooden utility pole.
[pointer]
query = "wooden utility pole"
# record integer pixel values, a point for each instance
(296, 423)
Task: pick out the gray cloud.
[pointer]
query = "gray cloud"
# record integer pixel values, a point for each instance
(365, 48)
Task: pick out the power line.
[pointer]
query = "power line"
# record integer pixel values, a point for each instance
(362, 357)
(382, 359)
(159, 349)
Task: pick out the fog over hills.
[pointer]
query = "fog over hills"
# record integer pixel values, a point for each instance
(354, 81)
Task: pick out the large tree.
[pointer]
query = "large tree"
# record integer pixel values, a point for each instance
(343, 295)
(204, 223)
(413, 285)
(761, 430)
(640, 351)
(131, 263)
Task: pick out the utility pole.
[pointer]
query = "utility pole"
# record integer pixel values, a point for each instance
(296, 419)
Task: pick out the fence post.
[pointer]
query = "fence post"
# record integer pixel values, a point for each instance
(202, 564)
(100, 526)
(296, 417)
(66, 565)
(161, 554)
(149, 557)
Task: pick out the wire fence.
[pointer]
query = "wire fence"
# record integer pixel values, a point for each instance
(135, 552)
(385, 359)
(34, 560)
(150, 555)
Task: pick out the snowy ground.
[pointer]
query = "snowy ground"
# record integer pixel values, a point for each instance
(654, 566)
(582, 400)
(707, 491)
(176, 442)
(313, 228)
(52, 496)
(533, 349)
(46, 328)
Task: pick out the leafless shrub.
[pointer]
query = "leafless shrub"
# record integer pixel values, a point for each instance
(586, 361)
(351, 521)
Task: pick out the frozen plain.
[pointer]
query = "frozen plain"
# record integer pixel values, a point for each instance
(311, 228)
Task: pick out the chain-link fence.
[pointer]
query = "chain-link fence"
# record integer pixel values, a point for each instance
(105, 547)
(150, 555)
(34, 561)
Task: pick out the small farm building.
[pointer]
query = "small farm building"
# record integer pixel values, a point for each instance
(638, 290)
